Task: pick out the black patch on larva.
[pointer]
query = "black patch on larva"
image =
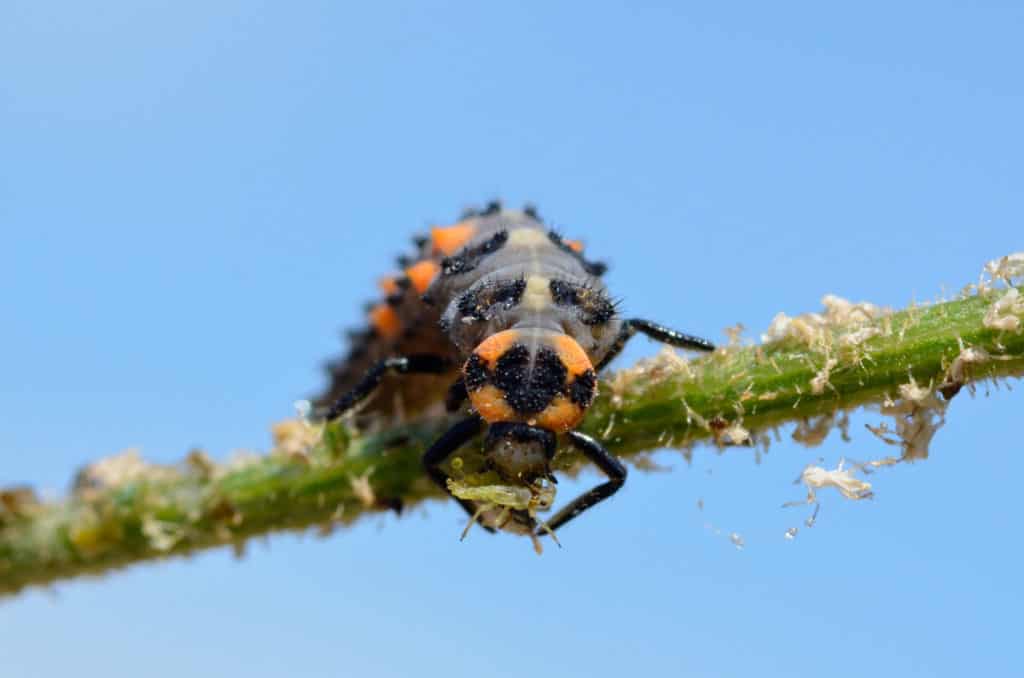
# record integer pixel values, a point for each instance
(595, 268)
(593, 306)
(479, 303)
(493, 207)
(475, 374)
(564, 293)
(583, 389)
(335, 365)
(395, 299)
(530, 210)
(361, 335)
(469, 258)
(527, 388)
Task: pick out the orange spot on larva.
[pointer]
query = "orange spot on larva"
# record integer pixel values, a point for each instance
(489, 402)
(572, 354)
(494, 346)
(449, 239)
(388, 285)
(561, 415)
(575, 245)
(422, 273)
(384, 319)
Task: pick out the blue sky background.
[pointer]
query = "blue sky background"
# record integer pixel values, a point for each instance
(195, 197)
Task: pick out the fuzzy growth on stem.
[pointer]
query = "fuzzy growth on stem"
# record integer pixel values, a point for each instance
(809, 370)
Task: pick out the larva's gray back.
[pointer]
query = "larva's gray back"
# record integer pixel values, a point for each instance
(516, 274)
(495, 270)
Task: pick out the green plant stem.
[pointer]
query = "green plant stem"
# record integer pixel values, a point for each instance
(329, 477)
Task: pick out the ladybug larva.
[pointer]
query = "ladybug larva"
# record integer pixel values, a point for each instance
(506, 320)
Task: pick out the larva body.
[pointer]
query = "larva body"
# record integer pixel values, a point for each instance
(501, 312)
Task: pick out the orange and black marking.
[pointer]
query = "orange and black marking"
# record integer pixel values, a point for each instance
(550, 386)
(448, 240)
(505, 320)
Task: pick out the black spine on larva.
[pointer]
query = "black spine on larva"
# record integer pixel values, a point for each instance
(595, 268)
(470, 258)
(593, 305)
(583, 389)
(419, 334)
(481, 303)
(475, 373)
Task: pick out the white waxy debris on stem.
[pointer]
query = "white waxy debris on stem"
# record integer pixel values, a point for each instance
(958, 371)
(161, 534)
(820, 380)
(917, 394)
(842, 479)
(112, 471)
(814, 329)
(805, 329)
(362, 489)
(295, 437)
(858, 337)
(790, 534)
(692, 416)
(1006, 268)
(737, 541)
(665, 363)
(734, 435)
(843, 312)
(118, 470)
(1004, 313)
(917, 415)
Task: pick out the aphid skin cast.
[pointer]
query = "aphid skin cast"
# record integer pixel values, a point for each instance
(504, 318)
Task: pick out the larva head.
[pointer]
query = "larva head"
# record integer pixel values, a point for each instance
(519, 452)
(536, 377)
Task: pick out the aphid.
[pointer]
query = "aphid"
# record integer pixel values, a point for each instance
(508, 321)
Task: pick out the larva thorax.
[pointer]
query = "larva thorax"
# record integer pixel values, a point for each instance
(531, 319)
(515, 274)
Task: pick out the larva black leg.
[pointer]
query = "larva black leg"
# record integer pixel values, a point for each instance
(412, 364)
(669, 336)
(454, 438)
(657, 332)
(608, 464)
(457, 395)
